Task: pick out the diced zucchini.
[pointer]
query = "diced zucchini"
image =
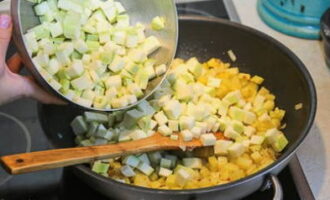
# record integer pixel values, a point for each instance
(145, 123)
(138, 134)
(119, 102)
(164, 130)
(173, 160)
(124, 136)
(93, 45)
(145, 168)
(47, 46)
(183, 91)
(100, 102)
(237, 126)
(233, 97)
(257, 139)
(80, 46)
(182, 177)
(71, 25)
(127, 171)
(70, 5)
(231, 133)
(131, 161)
(165, 172)
(40, 31)
(100, 168)
(100, 141)
(161, 118)
(105, 134)
(196, 131)
(42, 59)
(142, 78)
(31, 42)
(221, 147)
(42, 8)
(163, 100)
(194, 163)
(109, 9)
(131, 117)
(53, 66)
(144, 158)
(111, 93)
(119, 37)
(55, 29)
(236, 113)
(173, 125)
(165, 163)
(214, 82)
(236, 149)
(132, 40)
(92, 128)
(249, 130)
(146, 108)
(249, 117)
(95, 117)
(208, 139)
(113, 81)
(155, 157)
(158, 23)
(194, 67)
(79, 125)
(117, 64)
(55, 84)
(82, 83)
(186, 122)
(150, 45)
(173, 109)
(160, 70)
(86, 143)
(280, 143)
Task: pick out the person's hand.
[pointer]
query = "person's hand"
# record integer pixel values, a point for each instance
(12, 85)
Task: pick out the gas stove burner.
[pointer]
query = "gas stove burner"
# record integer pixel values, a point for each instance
(15, 138)
(192, 11)
(208, 8)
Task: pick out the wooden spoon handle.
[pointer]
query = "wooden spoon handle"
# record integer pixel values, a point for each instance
(42, 160)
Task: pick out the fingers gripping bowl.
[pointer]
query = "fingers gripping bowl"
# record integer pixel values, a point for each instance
(257, 54)
(95, 54)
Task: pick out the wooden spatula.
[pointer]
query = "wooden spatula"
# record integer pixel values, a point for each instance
(42, 160)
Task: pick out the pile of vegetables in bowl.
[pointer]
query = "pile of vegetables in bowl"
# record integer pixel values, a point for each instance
(194, 101)
(90, 53)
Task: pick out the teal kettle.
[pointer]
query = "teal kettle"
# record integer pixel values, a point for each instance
(300, 18)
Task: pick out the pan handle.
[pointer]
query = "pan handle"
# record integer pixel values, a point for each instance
(274, 182)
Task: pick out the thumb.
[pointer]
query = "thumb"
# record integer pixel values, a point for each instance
(5, 36)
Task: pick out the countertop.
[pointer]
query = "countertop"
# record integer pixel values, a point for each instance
(314, 153)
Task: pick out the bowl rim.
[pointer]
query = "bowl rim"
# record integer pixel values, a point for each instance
(269, 170)
(19, 41)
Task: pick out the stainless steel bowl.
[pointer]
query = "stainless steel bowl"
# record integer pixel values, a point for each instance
(142, 11)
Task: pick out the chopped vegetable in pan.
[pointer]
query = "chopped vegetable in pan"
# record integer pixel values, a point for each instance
(195, 100)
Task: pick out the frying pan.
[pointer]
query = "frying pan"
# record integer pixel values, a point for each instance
(258, 54)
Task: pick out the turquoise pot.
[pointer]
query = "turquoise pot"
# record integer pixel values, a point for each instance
(300, 18)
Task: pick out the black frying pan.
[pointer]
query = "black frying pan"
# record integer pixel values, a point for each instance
(285, 76)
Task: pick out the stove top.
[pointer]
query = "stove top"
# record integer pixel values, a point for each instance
(20, 132)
